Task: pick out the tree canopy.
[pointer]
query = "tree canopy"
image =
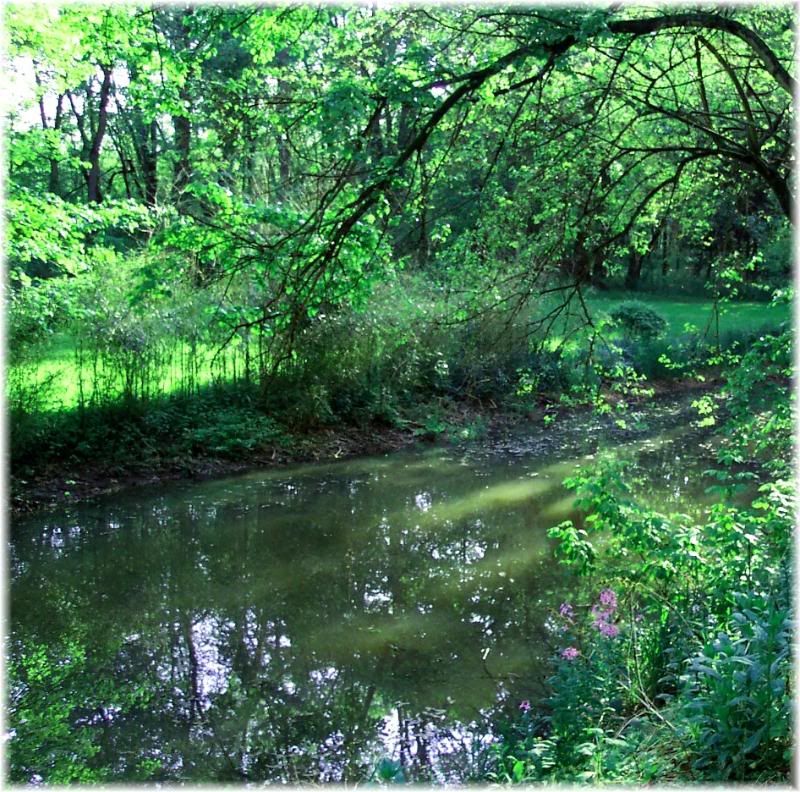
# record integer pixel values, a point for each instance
(314, 148)
(246, 235)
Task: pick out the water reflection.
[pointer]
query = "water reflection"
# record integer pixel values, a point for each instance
(303, 625)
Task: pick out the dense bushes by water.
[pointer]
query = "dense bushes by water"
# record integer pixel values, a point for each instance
(93, 376)
(675, 656)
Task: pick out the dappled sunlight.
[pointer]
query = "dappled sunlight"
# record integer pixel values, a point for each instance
(487, 499)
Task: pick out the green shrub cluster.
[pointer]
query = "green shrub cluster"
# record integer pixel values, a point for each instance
(639, 322)
(217, 421)
(393, 360)
(124, 348)
(378, 363)
(674, 661)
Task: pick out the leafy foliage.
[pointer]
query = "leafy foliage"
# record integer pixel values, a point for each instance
(686, 673)
(638, 321)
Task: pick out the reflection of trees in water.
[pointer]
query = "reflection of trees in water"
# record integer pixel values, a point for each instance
(303, 630)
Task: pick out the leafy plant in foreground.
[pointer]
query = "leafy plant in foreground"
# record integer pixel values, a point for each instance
(682, 672)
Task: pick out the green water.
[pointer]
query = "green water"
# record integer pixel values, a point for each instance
(305, 624)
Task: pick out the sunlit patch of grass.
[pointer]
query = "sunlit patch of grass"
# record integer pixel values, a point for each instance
(738, 317)
(67, 381)
(684, 314)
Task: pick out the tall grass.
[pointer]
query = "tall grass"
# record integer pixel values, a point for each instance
(114, 360)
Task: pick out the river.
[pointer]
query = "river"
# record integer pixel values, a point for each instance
(315, 623)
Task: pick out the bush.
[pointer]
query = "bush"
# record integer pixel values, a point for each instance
(232, 431)
(735, 693)
(683, 671)
(638, 321)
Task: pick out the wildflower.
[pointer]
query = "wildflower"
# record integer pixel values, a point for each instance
(525, 706)
(608, 599)
(607, 629)
(570, 653)
(603, 613)
(566, 611)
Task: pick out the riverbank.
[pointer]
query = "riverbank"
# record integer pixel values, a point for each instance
(61, 483)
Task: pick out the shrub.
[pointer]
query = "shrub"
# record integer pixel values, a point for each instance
(705, 628)
(232, 431)
(735, 694)
(638, 321)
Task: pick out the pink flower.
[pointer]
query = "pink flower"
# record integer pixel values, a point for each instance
(525, 706)
(608, 599)
(566, 610)
(601, 614)
(570, 653)
(607, 629)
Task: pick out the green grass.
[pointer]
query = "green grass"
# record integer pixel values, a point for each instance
(685, 316)
(59, 366)
(739, 317)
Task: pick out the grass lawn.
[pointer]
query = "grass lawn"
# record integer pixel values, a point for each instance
(739, 317)
(60, 368)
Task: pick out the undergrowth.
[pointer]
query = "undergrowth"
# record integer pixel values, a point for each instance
(146, 391)
(674, 657)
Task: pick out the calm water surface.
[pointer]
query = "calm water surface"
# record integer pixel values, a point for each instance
(307, 623)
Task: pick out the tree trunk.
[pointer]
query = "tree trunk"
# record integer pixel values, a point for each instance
(149, 158)
(183, 143)
(182, 121)
(93, 178)
(598, 265)
(53, 178)
(283, 60)
(54, 181)
(634, 270)
(284, 164)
